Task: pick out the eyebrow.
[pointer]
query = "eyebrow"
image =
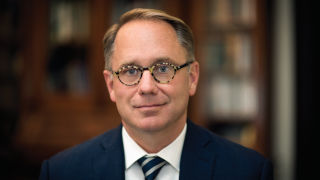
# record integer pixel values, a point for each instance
(156, 61)
(164, 59)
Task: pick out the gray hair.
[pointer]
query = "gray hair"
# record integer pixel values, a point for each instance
(182, 30)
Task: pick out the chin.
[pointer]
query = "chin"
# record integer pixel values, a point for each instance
(152, 124)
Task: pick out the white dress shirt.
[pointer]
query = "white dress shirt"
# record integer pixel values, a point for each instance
(171, 153)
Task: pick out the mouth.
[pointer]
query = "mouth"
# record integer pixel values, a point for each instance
(149, 106)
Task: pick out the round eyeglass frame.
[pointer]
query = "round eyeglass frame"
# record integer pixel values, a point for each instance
(151, 68)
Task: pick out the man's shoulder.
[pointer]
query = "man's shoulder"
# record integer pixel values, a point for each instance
(226, 148)
(81, 161)
(88, 148)
(230, 160)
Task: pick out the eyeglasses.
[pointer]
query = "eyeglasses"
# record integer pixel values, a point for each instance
(162, 73)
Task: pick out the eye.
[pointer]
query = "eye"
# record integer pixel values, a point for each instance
(130, 72)
(163, 68)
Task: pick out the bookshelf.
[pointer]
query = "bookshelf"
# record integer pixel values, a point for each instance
(64, 100)
(66, 66)
(231, 47)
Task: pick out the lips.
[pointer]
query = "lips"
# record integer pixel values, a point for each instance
(149, 105)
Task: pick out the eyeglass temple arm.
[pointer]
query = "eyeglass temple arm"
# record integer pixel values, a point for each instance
(184, 65)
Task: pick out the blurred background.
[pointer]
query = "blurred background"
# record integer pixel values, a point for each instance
(255, 86)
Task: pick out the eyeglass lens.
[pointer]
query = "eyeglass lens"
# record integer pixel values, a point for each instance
(162, 73)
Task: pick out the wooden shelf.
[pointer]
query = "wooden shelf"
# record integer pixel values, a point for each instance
(231, 48)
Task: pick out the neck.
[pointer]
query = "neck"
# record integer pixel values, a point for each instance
(155, 141)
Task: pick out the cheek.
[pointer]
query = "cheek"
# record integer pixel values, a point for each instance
(184, 91)
(121, 93)
(179, 91)
(123, 97)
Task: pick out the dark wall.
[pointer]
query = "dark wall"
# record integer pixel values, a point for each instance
(305, 54)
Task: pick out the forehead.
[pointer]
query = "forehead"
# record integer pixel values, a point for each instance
(143, 42)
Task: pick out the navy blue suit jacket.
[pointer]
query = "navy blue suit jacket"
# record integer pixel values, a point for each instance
(204, 156)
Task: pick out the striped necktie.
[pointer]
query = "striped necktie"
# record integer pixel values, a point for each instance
(151, 166)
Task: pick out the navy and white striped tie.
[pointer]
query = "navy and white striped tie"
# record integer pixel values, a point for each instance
(151, 166)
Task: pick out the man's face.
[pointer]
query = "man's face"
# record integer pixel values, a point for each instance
(150, 106)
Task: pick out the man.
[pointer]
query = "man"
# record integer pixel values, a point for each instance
(150, 74)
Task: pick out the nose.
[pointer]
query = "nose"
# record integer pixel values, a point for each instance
(147, 84)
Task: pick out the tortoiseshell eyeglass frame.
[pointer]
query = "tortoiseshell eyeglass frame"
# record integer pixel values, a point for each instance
(151, 68)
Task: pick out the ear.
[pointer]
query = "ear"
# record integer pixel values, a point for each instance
(108, 78)
(193, 77)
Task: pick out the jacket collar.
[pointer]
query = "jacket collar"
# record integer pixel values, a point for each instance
(197, 159)
(109, 163)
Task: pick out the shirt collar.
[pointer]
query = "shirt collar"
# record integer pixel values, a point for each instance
(171, 153)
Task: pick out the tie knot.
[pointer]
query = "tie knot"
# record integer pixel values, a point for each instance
(151, 166)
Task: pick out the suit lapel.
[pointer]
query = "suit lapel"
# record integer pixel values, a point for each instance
(197, 159)
(109, 162)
